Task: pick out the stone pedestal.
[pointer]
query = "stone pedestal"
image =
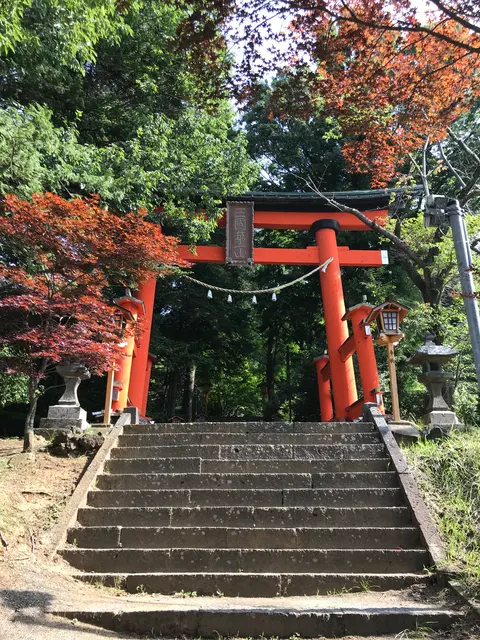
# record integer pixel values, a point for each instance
(439, 418)
(68, 415)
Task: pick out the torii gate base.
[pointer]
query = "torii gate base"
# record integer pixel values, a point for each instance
(335, 372)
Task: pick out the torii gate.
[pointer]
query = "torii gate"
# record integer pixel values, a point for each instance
(335, 372)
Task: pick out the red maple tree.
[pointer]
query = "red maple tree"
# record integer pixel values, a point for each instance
(390, 74)
(57, 259)
(388, 88)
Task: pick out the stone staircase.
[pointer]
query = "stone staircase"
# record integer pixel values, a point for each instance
(250, 510)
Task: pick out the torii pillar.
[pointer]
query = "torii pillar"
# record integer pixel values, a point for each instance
(324, 390)
(141, 365)
(342, 373)
(367, 362)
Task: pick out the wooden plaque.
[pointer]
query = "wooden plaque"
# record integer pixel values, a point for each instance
(239, 233)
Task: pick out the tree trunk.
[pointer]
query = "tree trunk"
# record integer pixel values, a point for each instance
(30, 419)
(270, 369)
(188, 393)
(32, 408)
(271, 408)
(172, 392)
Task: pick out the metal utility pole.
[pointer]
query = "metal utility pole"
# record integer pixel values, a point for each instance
(438, 210)
(464, 261)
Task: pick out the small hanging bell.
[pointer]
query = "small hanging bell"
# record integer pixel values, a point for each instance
(274, 296)
(254, 300)
(209, 294)
(229, 299)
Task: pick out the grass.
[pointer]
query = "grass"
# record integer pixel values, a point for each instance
(448, 473)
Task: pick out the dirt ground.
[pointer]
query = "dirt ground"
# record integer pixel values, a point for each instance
(33, 491)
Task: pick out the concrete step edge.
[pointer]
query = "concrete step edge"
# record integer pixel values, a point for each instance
(252, 491)
(257, 529)
(283, 622)
(247, 574)
(252, 585)
(414, 551)
(231, 537)
(248, 509)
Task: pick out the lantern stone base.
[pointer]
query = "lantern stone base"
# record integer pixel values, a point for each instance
(65, 418)
(440, 423)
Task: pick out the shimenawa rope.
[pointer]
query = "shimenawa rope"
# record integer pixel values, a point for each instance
(212, 287)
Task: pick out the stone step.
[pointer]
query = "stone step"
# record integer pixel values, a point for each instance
(216, 438)
(246, 480)
(247, 560)
(251, 452)
(196, 618)
(252, 585)
(251, 427)
(364, 497)
(263, 517)
(195, 465)
(229, 537)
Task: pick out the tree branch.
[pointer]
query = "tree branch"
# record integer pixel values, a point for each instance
(399, 244)
(471, 26)
(450, 166)
(465, 193)
(403, 27)
(464, 145)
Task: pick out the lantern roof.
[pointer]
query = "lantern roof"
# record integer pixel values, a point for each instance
(432, 352)
(392, 305)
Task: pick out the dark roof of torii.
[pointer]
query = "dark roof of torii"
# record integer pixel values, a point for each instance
(296, 201)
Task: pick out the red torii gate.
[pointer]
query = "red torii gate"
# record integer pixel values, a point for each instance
(335, 372)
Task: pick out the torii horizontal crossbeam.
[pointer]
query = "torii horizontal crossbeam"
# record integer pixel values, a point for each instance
(303, 220)
(309, 256)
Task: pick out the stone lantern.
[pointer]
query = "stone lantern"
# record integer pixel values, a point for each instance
(68, 414)
(438, 416)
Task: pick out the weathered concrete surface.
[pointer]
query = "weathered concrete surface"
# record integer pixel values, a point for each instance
(30, 591)
(226, 537)
(364, 497)
(153, 465)
(244, 516)
(313, 617)
(164, 439)
(205, 481)
(196, 465)
(151, 481)
(293, 466)
(252, 427)
(249, 560)
(254, 452)
(266, 585)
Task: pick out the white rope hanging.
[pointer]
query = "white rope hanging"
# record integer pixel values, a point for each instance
(253, 292)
